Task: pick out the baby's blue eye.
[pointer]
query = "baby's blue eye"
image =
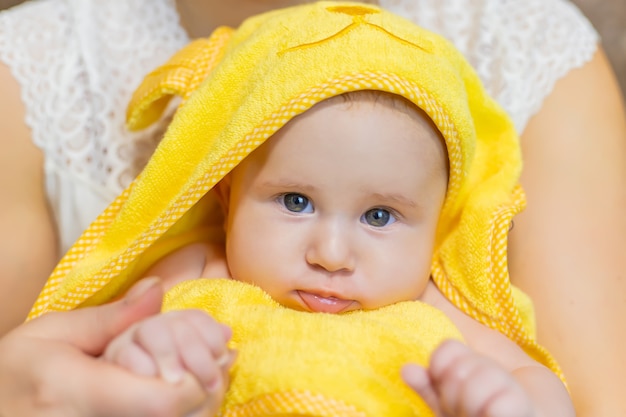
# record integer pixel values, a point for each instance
(378, 217)
(297, 203)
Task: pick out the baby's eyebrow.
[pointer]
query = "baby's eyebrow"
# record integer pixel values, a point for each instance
(396, 198)
(288, 184)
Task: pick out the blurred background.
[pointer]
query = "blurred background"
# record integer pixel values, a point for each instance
(608, 17)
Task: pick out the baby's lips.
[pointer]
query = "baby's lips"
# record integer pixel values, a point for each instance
(321, 304)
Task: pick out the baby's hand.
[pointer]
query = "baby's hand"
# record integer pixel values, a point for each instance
(462, 382)
(170, 344)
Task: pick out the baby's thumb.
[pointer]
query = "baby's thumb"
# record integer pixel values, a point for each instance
(90, 329)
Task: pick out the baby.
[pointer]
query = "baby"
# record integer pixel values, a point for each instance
(338, 211)
(361, 170)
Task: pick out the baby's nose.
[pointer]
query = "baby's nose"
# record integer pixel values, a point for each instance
(331, 247)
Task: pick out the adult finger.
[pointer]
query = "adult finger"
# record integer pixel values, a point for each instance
(117, 392)
(90, 329)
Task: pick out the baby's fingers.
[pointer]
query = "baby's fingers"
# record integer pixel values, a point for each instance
(156, 336)
(202, 348)
(133, 358)
(215, 335)
(418, 379)
(123, 351)
(493, 392)
(473, 385)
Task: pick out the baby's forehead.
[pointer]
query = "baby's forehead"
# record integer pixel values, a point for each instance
(399, 118)
(396, 103)
(387, 100)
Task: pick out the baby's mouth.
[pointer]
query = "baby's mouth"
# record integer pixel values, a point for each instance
(321, 304)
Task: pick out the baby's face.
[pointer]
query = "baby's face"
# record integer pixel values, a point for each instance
(338, 211)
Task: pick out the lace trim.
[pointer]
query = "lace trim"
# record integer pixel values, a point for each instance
(77, 80)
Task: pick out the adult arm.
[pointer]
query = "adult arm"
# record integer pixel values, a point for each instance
(49, 366)
(28, 242)
(568, 248)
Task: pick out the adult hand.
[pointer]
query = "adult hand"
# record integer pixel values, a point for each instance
(50, 366)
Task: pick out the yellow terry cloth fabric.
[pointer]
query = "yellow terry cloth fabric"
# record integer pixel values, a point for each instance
(240, 86)
(314, 364)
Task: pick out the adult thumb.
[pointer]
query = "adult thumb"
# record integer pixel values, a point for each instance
(90, 329)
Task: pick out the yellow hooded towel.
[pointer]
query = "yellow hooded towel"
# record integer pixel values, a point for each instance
(238, 88)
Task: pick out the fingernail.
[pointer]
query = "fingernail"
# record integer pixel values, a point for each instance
(227, 359)
(234, 353)
(141, 288)
(172, 375)
(223, 360)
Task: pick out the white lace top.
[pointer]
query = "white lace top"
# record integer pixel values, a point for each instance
(78, 62)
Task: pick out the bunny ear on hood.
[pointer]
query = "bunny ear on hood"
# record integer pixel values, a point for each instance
(241, 86)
